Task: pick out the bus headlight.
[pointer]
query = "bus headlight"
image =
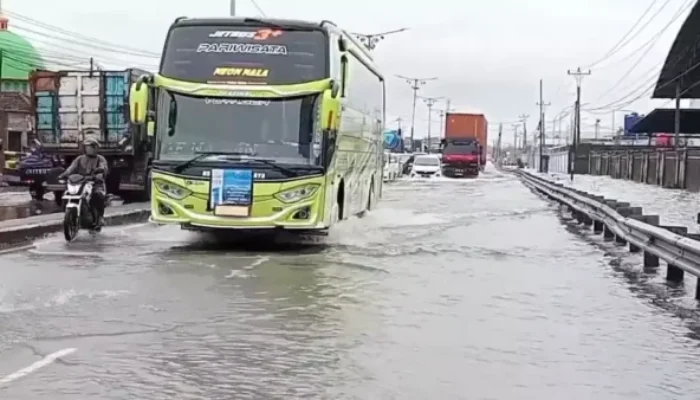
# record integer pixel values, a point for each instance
(297, 193)
(171, 190)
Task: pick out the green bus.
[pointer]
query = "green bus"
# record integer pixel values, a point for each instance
(262, 124)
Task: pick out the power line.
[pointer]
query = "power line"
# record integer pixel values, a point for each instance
(653, 78)
(92, 40)
(650, 44)
(257, 7)
(621, 43)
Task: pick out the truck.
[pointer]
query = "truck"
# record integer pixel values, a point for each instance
(72, 106)
(465, 144)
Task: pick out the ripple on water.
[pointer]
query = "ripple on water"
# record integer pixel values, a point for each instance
(441, 292)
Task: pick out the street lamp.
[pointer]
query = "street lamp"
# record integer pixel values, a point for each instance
(370, 40)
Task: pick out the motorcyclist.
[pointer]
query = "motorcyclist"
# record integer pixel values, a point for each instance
(87, 165)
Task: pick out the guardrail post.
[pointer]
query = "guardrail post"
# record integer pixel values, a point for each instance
(607, 233)
(598, 226)
(650, 260)
(632, 212)
(673, 273)
(695, 236)
(626, 211)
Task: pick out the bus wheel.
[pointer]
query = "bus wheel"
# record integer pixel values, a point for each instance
(337, 210)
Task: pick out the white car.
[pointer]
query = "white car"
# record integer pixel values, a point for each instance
(426, 166)
(392, 170)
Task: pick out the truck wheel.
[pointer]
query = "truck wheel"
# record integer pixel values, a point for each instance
(37, 192)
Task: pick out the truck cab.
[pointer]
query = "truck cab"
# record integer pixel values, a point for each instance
(460, 157)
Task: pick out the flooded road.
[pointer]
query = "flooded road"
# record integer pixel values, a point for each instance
(451, 290)
(15, 202)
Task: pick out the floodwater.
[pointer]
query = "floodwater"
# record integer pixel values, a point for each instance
(474, 289)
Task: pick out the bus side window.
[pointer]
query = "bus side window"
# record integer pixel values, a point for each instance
(344, 72)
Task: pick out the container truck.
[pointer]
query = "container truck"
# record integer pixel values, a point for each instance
(71, 106)
(464, 146)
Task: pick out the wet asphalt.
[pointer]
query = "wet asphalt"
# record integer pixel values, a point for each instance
(473, 289)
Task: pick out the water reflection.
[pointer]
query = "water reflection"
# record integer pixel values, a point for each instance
(27, 209)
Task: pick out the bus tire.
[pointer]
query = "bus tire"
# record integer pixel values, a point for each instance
(338, 207)
(371, 198)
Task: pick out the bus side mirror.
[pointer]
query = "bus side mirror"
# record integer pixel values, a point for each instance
(330, 108)
(138, 101)
(342, 44)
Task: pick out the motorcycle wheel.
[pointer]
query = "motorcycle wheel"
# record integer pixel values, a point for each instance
(71, 224)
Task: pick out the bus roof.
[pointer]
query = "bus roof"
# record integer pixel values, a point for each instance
(186, 21)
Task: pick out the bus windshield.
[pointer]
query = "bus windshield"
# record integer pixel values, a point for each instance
(245, 55)
(276, 129)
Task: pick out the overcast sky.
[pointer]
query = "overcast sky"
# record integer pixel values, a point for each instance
(489, 56)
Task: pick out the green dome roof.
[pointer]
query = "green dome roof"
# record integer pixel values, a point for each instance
(19, 57)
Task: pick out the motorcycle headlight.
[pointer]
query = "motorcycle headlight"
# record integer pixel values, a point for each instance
(171, 190)
(297, 193)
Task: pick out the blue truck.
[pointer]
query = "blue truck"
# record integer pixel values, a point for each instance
(71, 106)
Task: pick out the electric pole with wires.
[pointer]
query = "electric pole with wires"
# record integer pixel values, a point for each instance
(515, 141)
(430, 102)
(542, 124)
(524, 118)
(578, 75)
(416, 84)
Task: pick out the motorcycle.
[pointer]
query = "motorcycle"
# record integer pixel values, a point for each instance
(78, 212)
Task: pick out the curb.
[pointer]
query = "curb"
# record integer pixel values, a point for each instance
(21, 235)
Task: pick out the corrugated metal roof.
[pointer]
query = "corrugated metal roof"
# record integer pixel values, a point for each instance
(683, 60)
(663, 120)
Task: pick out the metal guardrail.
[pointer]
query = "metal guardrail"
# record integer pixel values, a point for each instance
(624, 224)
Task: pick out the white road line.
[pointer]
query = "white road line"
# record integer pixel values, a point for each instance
(17, 249)
(50, 359)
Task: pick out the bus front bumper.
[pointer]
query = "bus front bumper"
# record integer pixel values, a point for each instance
(300, 216)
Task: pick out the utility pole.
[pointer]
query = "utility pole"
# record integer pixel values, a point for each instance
(233, 8)
(441, 132)
(578, 75)
(497, 156)
(542, 129)
(370, 40)
(597, 128)
(515, 141)
(430, 102)
(415, 84)
(524, 118)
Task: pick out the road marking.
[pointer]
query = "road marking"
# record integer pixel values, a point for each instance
(50, 359)
(17, 249)
(67, 253)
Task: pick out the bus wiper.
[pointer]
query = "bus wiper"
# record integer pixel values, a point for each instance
(203, 154)
(287, 171)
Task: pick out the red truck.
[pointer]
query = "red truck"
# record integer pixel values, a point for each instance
(464, 146)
